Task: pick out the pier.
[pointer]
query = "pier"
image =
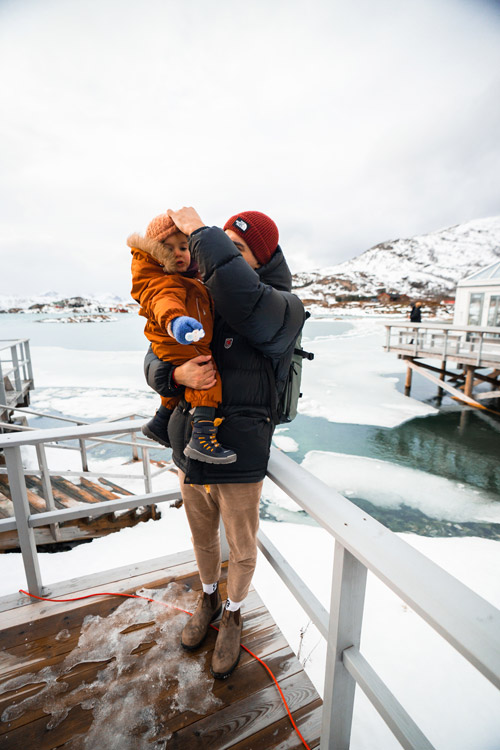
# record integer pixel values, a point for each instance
(39, 634)
(62, 488)
(471, 348)
(16, 374)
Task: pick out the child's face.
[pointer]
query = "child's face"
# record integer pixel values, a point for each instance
(177, 244)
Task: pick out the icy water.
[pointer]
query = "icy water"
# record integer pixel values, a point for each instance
(456, 450)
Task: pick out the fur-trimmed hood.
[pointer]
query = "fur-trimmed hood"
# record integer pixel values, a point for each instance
(155, 249)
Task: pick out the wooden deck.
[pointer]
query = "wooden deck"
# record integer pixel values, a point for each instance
(122, 680)
(69, 494)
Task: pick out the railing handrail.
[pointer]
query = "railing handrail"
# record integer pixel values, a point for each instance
(9, 343)
(443, 327)
(79, 432)
(462, 617)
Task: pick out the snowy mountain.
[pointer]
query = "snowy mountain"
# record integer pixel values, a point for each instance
(426, 266)
(49, 300)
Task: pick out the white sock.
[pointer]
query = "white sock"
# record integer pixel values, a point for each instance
(233, 606)
(209, 588)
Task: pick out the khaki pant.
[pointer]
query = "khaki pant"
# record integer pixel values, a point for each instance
(238, 504)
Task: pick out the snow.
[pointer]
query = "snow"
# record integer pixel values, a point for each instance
(348, 380)
(284, 442)
(388, 485)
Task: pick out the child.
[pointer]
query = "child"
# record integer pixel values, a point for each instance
(179, 312)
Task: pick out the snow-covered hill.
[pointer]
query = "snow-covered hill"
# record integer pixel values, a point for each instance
(52, 301)
(427, 265)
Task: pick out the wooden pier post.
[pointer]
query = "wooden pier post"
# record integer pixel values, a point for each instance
(409, 373)
(469, 380)
(441, 377)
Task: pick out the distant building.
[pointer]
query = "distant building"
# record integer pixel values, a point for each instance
(477, 301)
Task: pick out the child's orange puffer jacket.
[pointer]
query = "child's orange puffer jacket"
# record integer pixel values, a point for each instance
(164, 294)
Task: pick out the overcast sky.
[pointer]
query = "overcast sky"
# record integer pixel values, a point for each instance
(348, 122)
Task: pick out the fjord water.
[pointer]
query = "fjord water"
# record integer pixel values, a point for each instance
(454, 444)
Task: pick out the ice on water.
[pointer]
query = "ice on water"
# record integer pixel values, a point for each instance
(137, 689)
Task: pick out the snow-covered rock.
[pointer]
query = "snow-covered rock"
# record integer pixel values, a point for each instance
(426, 265)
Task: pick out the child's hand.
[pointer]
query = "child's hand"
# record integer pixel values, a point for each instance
(183, 326)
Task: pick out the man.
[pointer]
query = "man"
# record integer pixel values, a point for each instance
(416, 312)
(257, 321)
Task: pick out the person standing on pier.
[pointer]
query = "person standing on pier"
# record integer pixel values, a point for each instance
(416, 312)
(257, 320)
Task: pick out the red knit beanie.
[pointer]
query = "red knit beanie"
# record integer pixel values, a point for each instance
(160, 228)
(259, 232)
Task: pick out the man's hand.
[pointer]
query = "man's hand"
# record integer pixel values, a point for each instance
(197, 373)
(186, 220)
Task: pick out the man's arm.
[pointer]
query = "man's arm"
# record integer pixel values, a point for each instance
(269, 318)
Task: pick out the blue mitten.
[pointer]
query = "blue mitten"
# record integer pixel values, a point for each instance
(181, 326)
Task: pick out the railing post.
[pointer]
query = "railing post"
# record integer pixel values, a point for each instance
(27, 356)
(83, 451)
(388, 338)
(25, 533)
(346, 616)
(47, 488)
(133, 439)
(480, 350)
(3, 395)
(148, 483)
(15, 365)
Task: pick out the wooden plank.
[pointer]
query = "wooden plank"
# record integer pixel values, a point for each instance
(36, 503)
(249, 677)
(443, 384)
(15, 604)
(282, 736)
(246, 717)
(96, 489)
(489, 394)
(119, 490)
(73, 490)
(62, 499)
(41, 617)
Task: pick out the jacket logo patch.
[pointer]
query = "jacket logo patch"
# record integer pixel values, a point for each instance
(228, 343)
(241, 225)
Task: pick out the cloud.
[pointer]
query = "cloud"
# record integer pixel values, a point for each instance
(348, 124)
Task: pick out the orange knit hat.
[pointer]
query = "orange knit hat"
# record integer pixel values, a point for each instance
(160, 228)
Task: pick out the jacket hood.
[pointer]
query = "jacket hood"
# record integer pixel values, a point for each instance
(155, 249)
(276, 273)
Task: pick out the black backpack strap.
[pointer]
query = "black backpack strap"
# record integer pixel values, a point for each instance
(273, 389)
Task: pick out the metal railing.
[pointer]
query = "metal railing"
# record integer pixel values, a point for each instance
(140, 450)
(18, 367)
(468, 622)
(471, 344)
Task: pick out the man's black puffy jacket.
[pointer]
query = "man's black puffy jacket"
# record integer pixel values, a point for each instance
(257, 317)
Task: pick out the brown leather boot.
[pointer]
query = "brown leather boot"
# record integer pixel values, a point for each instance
(208, 609)
(227, 647)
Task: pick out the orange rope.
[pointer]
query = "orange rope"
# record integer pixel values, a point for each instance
(179, 609)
